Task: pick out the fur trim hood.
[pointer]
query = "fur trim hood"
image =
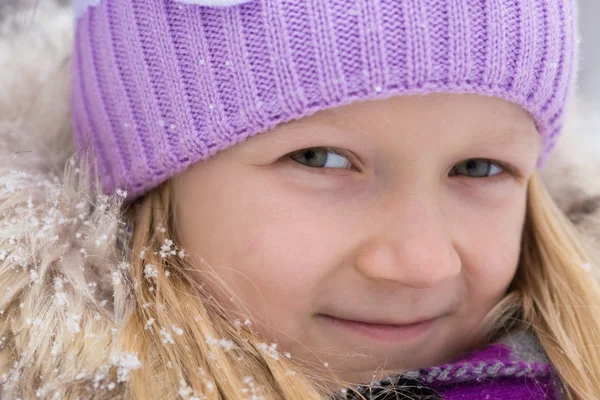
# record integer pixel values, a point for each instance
(63, 265)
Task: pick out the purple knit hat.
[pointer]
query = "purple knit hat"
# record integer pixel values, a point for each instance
(159, 85)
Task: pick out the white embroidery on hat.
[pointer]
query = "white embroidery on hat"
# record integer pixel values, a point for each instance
(80, 6)
(215, 3)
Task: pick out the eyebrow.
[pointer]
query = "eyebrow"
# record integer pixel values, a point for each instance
(506, 134)
(513, 135)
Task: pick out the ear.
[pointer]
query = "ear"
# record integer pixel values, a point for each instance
(215, 3)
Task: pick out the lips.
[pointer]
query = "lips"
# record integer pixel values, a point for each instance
(382, 330)
(383, 323)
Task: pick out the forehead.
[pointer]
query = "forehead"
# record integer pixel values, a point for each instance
(464, 116)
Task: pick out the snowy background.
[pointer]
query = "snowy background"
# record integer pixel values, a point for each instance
(589, 77)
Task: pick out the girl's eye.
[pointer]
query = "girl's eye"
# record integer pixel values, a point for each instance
(321, 157)
(476, 168)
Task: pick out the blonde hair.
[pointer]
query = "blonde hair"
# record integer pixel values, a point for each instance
(220, 358)
(215, 356)
(556, 293)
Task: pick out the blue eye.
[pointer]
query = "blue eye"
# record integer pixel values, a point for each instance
(321, 157)
(476, 168)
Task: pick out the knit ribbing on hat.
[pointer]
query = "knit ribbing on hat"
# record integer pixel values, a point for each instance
(159, 85)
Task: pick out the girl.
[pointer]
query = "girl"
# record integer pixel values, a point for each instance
(298, 200)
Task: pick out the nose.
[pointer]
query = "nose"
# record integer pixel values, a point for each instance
(410, 245)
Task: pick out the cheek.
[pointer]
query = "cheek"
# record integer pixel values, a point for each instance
(272, 255)
(279, 265)
(283, 257)
(491, 253)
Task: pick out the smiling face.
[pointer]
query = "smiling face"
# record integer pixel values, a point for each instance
(337, 230)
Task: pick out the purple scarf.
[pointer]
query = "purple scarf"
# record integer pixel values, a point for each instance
(514, 368)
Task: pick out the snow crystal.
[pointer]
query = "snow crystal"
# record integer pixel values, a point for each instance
(587, 266)
(271, 350)
(54, 349)
(129, 360)
(252, 389)
(35, 277)
(58, 283)
(126, 363)
(121, 193)
(167, 338)
(103, 238)
(178, 331)
(116, 278)
(210, 386)
(167, 249)
(186, 392)
(61, 298)
(73, 323)
(150, 271)
(124, 266)
(226, 344)
(149, 323)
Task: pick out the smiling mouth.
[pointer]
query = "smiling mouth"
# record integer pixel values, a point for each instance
(383, 331)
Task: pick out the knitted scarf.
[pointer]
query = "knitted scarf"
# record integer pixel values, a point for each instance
(515, 368)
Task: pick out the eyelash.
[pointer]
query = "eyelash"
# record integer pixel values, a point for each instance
(322, 170)
(506, 168)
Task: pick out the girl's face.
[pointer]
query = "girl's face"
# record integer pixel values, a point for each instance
(338, 230)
